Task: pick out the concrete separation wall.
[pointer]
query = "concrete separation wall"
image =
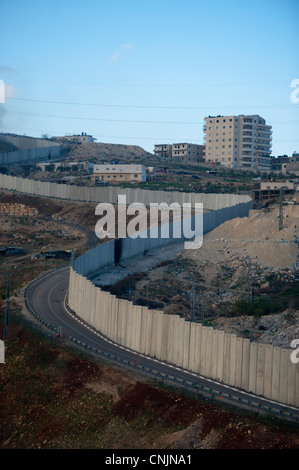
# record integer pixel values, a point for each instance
(258, 368)
(261, 369)
(27, 155)
(236, 205)
(30, 148)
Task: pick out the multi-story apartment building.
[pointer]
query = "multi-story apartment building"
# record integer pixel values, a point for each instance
(238, 142)
(163, 150)
(181, 152)
(188, 153)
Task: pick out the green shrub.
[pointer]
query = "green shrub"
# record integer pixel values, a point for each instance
(259, 307)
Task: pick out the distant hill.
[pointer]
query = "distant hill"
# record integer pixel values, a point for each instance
(97, 152)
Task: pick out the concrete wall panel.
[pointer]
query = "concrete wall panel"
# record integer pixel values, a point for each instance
(232, 360)
(291, 382)
(253, 367)
(283, 381)
(164, 336)
(149, 331)
(203, 350)
(268, 371)
(239, 359)
(245, 365)
(159, 320)
(220, 356)
(276, 373)
(197, 358)
(209, 352)
(215, 340)
(260, 372)
(226, 358)
(192, 346)
(181, 346)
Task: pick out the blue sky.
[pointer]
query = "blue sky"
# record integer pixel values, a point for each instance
(144, 72)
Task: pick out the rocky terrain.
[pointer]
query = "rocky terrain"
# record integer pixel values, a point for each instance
(245, 276)
(99, 151)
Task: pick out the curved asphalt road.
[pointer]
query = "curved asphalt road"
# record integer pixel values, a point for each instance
(47, 297)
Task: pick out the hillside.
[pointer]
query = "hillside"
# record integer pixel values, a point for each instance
(96, 152)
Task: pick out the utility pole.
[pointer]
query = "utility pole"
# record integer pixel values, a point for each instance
(249, 287)
(72, 259)
(203, 307)
(7, 309)
(281, 208)
(192, 306)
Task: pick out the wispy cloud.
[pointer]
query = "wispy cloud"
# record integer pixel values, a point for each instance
(120, 51)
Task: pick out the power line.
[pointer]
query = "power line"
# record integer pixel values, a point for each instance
(168, 139)
(105, 120)
(208, 84)
(270, 106)
(56, 116)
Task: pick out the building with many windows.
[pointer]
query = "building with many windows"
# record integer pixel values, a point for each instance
(238, 142)
(118, 173)
(163, 150)
(188, 153)
(183, 152)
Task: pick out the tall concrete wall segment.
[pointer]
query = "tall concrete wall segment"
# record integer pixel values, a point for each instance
(29, 149)
(24, 142)
(258, 368)
(27, 155)
(261, 369)
(236, 205)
